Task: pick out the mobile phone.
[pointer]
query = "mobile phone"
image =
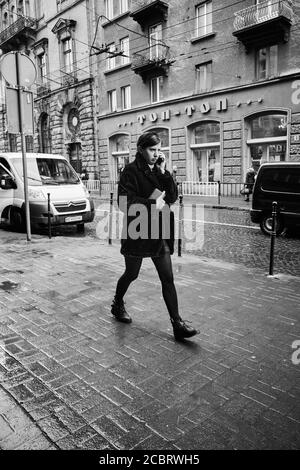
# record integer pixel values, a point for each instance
(160, 159)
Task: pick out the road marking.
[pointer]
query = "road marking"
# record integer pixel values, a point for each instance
(201, 221)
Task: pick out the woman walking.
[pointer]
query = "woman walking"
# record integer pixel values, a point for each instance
(146, 191)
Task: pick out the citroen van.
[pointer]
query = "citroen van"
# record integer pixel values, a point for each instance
(277, 182)
(70, 201)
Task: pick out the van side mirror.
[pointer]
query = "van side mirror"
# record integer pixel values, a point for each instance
(7, 182)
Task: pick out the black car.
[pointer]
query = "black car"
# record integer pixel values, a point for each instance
(278, 182)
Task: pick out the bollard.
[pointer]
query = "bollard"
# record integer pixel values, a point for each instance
(180, 221)
(110, 218)
(273, 237)
(219, 193)
(49, 216)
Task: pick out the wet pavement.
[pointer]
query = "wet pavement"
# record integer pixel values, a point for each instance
(81, 380)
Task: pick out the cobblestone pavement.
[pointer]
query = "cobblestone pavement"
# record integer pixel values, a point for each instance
(89, 382)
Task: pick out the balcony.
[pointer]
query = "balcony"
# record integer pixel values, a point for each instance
(145, 10)
(152, 61)
(264, 24)
(18, 33)
(43, 89)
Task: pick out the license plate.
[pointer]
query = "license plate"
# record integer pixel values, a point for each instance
(75, 218)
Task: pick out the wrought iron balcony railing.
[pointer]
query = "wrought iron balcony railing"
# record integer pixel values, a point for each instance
(262, 12)
(19, 26)
(155, 58)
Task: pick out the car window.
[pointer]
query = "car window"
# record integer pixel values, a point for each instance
(283, 180)
(4, 164)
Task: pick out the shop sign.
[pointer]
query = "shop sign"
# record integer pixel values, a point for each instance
(204, 108)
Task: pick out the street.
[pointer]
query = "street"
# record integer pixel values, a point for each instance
(229, 235)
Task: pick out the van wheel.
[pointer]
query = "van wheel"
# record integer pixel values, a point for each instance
(266, 225)
(17, 219)
(80, 228)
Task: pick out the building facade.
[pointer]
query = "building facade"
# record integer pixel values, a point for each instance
(218, 80)
(56, 35)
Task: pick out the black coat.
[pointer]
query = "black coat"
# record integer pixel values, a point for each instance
(144, 227)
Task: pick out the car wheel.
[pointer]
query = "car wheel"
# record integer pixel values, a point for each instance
(17, 218)
(266, 225)
(80, 228)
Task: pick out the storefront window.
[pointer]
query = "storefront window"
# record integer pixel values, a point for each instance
(268, 142)
(271, 125)
(205, 146)
(119, 150)
(268, 152)
(207, 132)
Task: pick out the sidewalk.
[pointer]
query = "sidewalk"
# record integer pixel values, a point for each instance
(86, 381)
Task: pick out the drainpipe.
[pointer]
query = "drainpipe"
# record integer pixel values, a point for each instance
(91, 20)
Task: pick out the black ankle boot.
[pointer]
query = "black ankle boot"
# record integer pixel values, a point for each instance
(182, 330)
(119, 311)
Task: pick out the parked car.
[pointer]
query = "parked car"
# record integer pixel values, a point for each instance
(278, 182)
(70, 201)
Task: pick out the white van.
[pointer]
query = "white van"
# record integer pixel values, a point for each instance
(70, 201)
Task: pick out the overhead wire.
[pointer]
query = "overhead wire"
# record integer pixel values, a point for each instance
(206, 50)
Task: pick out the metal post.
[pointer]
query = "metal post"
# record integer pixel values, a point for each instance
(49, 216)
(273, 237)
(110, 218)
(23, 146)
(180, 221)
(219, 193)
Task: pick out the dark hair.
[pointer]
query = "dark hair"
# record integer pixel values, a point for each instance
(148, 139)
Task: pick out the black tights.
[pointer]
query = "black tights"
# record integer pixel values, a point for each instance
(163, 266)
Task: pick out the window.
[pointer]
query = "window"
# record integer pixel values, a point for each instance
(12, 14)
(203, 77)
(115, 7)
(42, 67)
(206, 152)
(124, 46)
(20, 9)
(111, 59)
(5, 20)
(282, 180)
(155, 41)
(156, 89)
(45, 134)
(266, 62)
(12, 139)
(126, 97)
(68, 55)
(268, 142)
(29, 143)
(269, 125)
(119, 148)
(204, 19)
(112, 100)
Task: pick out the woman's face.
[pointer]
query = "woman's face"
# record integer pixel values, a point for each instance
(151, 154)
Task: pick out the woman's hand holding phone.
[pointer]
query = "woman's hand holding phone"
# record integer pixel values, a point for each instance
(161, 162)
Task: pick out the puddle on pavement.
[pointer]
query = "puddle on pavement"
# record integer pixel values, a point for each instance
(8, 286)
